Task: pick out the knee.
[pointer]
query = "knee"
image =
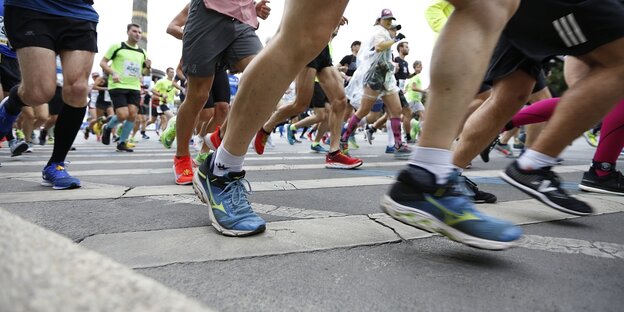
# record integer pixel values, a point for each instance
(37, 94)
(75, 93)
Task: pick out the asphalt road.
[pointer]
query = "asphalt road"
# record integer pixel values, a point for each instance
(328, 247)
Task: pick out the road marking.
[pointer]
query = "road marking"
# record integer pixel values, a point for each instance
(167, 160)
(573, 246)
(279, 211)
(155, 248)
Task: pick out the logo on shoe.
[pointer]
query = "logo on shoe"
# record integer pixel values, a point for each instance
(545, 187)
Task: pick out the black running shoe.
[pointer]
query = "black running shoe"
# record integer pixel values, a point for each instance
(122, 147)
(545, 186)
(613, 183)
(485, 154)
(106, 135)
(479, 196)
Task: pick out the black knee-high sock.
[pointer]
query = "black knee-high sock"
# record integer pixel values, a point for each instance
(65, 130)
(14, 104)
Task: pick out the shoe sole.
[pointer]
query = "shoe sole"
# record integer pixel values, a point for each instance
(598, 190)
(71, 187)
(19, 150)
(429, 223)
(402, 156)
(199, 191)
(342, 166)
(175, 178)
(539, 196)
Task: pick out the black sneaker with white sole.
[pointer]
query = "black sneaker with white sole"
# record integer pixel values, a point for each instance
(545, 186)
(613, 183)
(479, 195)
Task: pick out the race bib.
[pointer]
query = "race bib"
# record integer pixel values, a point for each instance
(132, 69)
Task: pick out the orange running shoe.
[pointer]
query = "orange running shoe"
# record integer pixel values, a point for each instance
(213, 140)
(183, 170)
(260, 141)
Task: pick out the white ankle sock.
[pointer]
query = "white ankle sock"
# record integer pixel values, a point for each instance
(434, 160)
(226, 162)
(532, 160)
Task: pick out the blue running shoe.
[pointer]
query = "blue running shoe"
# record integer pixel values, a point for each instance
(318, 148)
(230, 211)
(390, 149)
(6, 120)
(290, 135)
(415, 199)
(57, 177)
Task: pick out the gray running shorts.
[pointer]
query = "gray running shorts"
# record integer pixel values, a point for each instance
(211, 37)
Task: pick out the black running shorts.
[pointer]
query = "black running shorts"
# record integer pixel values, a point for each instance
(29, 28)
(322, 60)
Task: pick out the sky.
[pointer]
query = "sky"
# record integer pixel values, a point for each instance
(165, 51)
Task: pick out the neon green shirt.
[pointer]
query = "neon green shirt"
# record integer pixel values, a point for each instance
(128, 63)
(411, 95)
(437, 14)
(166, 89)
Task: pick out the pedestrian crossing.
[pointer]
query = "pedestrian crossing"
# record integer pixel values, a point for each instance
(307, 207)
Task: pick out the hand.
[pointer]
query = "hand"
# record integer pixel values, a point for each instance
(399, 37)
(148, 63)
(116, 78)
(262, 9)
(344, 21)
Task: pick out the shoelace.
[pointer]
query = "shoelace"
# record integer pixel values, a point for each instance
(238, 191)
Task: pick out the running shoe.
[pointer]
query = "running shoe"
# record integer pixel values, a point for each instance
(369, 134)
(130, 144)
(591, 138)
(504, 149)
(30, 148)
(485, 154)
(199, 159)
(290, 134)
(545, 186)
(6, 120)
(123, 147)
(145, 136)
(260, 141)
(213, 140)
(390, 149)
(352, 142)
(402, 152)
(339, 160)
(169, 135)
(229, 209)
(86, 133)
(519, 146)
(309, 135)
(478, 195)
(50, 140)
(183, 170)
(97, 127)
(17, 147)
(417, 200)
(318, 148)
(106, 134)
(613, 183)
(57, 177)
(19, 134)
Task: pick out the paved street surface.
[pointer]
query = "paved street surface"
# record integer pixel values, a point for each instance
(327, 247)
